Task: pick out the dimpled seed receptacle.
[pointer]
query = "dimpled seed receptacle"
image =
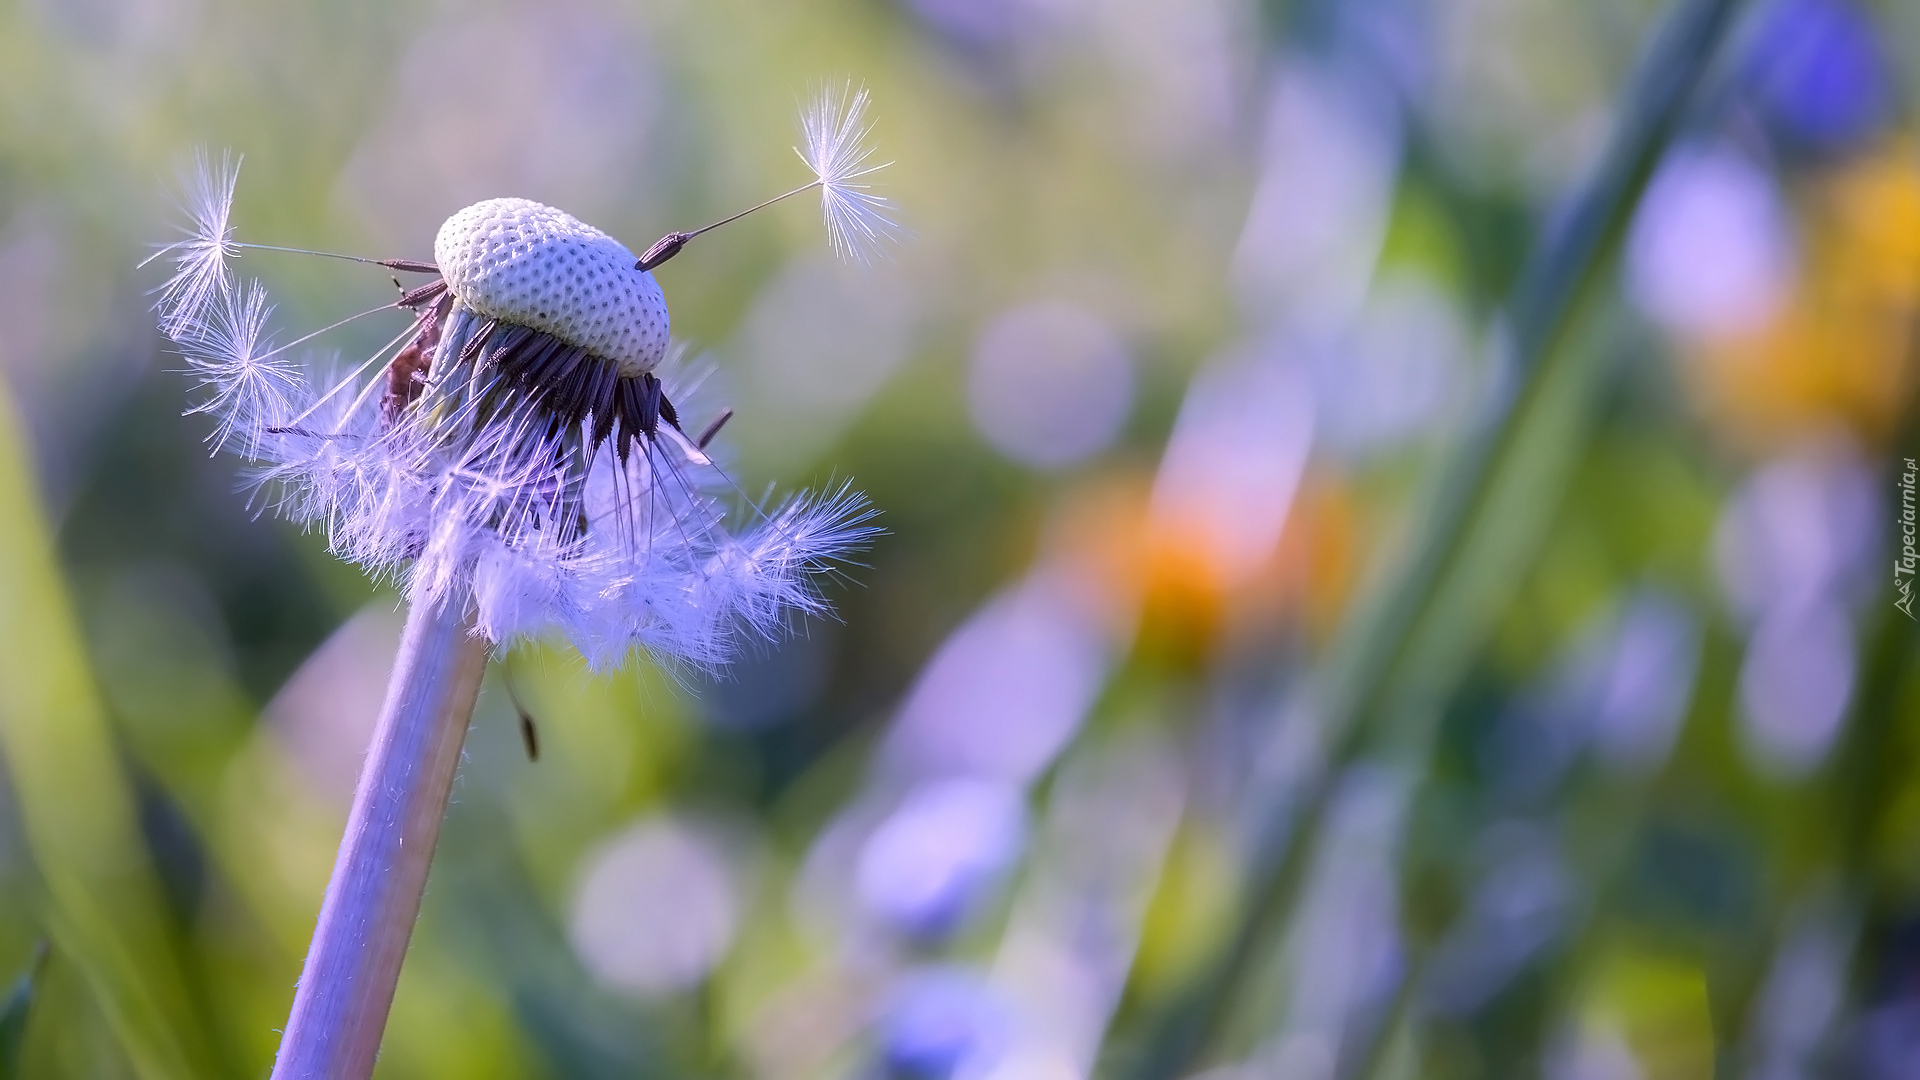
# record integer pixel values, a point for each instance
(525, 263)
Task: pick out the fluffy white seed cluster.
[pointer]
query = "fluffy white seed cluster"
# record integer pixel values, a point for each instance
(522, 262)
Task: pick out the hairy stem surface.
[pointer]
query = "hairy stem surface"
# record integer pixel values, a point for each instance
(346, 987)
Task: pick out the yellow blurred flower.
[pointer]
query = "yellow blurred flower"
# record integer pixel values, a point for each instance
(1840, 351)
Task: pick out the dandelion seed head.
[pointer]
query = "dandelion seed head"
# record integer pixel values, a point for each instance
(535, 266)
(859, 223)
(516, 450)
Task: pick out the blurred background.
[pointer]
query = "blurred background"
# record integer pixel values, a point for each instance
(1304, 643)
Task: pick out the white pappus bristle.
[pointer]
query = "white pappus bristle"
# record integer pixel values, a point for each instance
(859, 223)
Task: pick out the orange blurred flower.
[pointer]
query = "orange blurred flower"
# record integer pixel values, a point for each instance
(1179, 590)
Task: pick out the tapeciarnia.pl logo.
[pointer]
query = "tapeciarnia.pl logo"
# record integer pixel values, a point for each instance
(1905, 564)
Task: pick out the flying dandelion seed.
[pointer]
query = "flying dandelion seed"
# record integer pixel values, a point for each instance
(200, 258)
(860, 224)
(515, 447)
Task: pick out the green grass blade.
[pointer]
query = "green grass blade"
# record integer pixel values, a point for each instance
(101, 902)
(14, 1012)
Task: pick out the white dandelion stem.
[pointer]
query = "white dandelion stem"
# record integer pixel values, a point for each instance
(346, 987)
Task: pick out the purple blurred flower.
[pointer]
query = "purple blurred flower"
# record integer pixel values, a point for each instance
(1796, 682)
(1622, 689)
(1800, 526)
(1050, 384)
(1234, 461)
(1711, 251)
(1647, 681)
(976, 24)
(656, 907)
(1006, 690)
(1794, 551)
(1804, 991)
(946, 845)
(1345, 946)
(1886, 1043)
(1319, 214)
(1398, 373)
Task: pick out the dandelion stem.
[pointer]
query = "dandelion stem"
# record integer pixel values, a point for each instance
(346, 987)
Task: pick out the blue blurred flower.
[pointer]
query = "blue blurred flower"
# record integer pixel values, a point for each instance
(942, 1021)
(1520, 905)
(1818, 74)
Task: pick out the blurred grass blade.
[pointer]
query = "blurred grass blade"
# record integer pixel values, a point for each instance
(1370, 667)
(14, 1011)
(101, 903)
(1388, 675)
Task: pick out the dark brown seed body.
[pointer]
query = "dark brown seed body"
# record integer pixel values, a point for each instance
(707, 433)
(576, 387)
(663, 249)
(572, 385)
(407, 374)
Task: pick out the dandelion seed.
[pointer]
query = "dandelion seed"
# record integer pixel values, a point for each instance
(859, 224)
(200, 260)
(515, 448)
(836, 131)
(251, 390)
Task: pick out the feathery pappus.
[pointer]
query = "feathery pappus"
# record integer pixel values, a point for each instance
(516, 447)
